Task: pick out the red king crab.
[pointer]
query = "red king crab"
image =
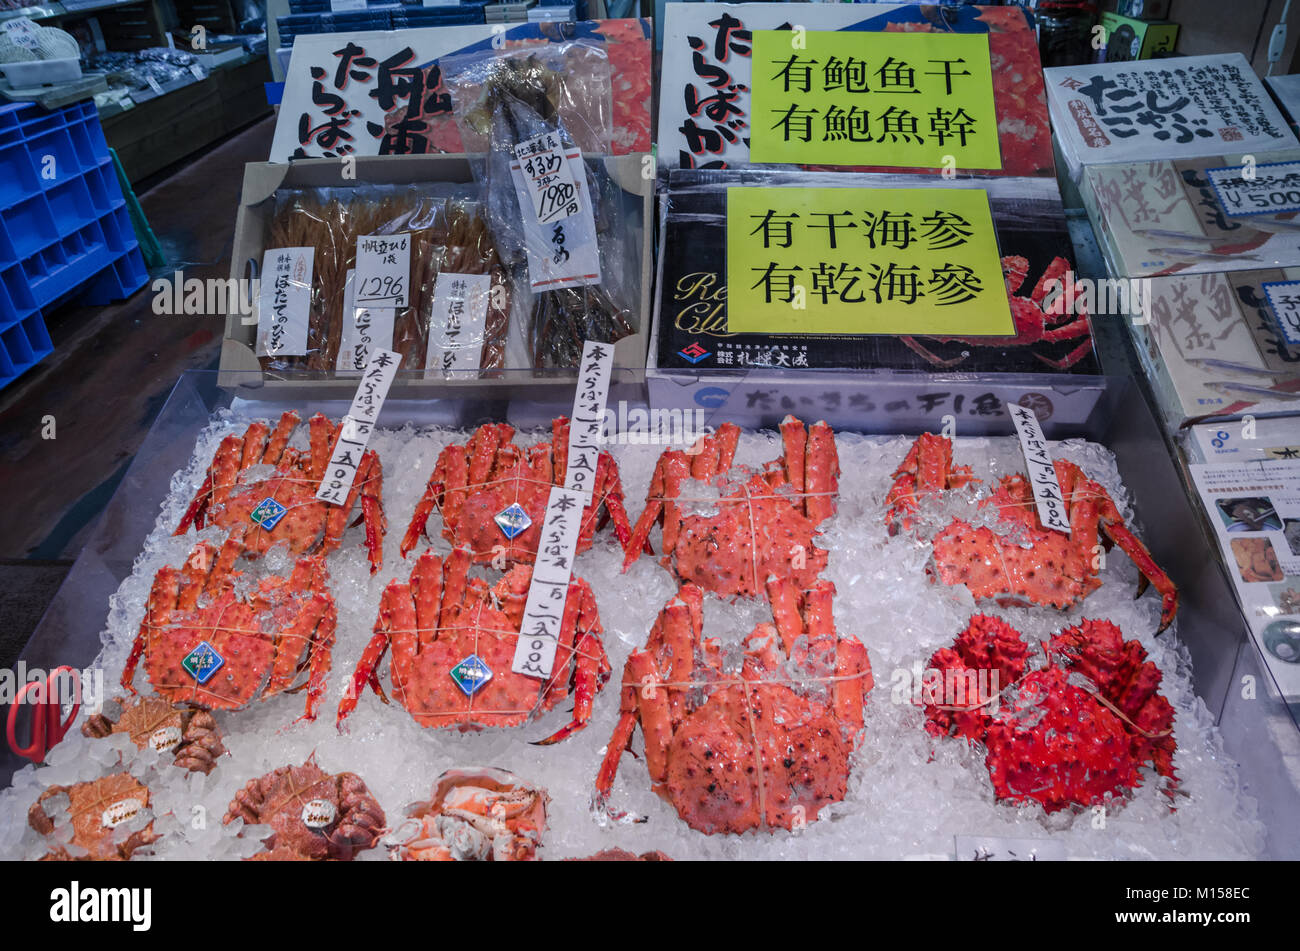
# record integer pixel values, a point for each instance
(312, 814)
(1074, 732)
(765, 521)
(95, 809)
(763, 749)
(453, 640)
(206, 643)
(1034, 323)
(279, 504)
(190, 735)
(473, 815)
(1031, 563)
(492, 494)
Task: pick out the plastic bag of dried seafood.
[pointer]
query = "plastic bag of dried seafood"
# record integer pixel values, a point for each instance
(450, 238)
(543, 117)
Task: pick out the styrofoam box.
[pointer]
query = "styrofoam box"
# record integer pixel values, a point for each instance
(41, 72)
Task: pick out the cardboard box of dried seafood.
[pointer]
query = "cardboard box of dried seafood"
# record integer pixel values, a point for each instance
(325, 205)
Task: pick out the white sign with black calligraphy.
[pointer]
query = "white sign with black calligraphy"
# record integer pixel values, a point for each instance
(1042, 471)
(561, 253)
(586, 425)
(284, 302)
(543, 620)
(458, 321)
(1267, 189)
(358, 425)
(383, 275)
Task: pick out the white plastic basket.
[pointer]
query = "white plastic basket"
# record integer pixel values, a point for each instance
(41, 72)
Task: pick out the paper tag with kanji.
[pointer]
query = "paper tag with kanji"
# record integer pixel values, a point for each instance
(23, 32)
(458, 321)
(542, 167)
(544, 609)
(562, 252)
(383, 275)
(587, 423)
(1042, 471)
(284, 302)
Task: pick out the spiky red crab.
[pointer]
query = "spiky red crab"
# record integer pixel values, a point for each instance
(492, 495)
(1073, 733)
(473, 815)
(765, 748)
(1034, 322)
(205, 643)
(1029, 562)
(312, 814)
(453, 640)
(264, 490)
(189, 735)
(765, 521)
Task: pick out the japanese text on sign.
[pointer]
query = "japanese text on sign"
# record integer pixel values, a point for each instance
(561, 252)
(1274, 188)
(586, 425)
(547, 594)
(458, 321)
(284, 301)
(864, 261)
(358, 425)
(1284, 301)
(383, 271)
(857, 98)
(547, 177)
(1042, 472)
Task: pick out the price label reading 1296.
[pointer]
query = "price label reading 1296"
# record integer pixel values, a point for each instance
(548, 177)
(383, 271)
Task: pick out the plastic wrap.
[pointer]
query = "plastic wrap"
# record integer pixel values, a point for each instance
(449, 233)
(504, 98)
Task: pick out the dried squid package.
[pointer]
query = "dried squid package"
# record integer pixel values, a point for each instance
(413, 240)
(542, 114)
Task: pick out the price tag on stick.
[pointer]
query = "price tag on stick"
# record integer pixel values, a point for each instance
(358, 425)
(1042, 472)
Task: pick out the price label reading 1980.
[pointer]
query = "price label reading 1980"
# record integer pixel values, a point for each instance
(547, 176)
(383, 271)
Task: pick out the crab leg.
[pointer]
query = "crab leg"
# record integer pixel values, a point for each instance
(426, 592)
(155, 615)
(609, 490)
(618, 745)
(560, 448)
(323, 436)
(320, 644)
(653, 712)
(653, 511)
(822, 473)
(216, 487)
(1119, 533)
(591, 660)
(794, 443)
(391, 603)
(450, 474)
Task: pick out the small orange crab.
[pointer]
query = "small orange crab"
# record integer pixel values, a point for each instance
(95, 809)
(190, 735)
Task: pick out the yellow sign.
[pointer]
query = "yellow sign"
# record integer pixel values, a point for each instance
(864, 261)
(916, 100)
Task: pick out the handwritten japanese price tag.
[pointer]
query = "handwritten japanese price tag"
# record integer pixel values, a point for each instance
(561, 252)
(1274, 188)
(364, 329)
(23, 32)
(1284, 301)
(547, 178)
(921, 100)
(586, 425)
(544, 610)
(358, 425)
(458, 321)
(284, 302)
(1042, 473)
(383, 271)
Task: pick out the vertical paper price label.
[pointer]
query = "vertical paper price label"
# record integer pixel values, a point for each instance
(284, 302)
(458, 321)
(1042, 473)
(547, 177)
(561, 252)
(587, 423)
(383, 271)
(544, 610)
(358, 425)
(23, 32)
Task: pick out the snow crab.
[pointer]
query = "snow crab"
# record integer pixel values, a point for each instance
(1037, 320)
(1030, 563)
(190, 735)
(453, 640)
(265, 490)
(765, 521)
(312, 814)
(766, 749)
(96, 809)
(1072, 733)
(492, 495)
(473, 815)
(205, 643)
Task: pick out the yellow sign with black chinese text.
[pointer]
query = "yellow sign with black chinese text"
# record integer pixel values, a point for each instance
(918, 261)
(914, 100)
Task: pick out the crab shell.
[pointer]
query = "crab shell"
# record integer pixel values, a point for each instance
(95, 808)
(191, 736)
(488, 814)
(312, 814)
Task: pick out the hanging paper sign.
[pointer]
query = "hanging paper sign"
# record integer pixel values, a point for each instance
(458, 321)
(1267, 189)
(284, 302)
(1042, 472)
(544, 610)
(864, 261)
(23, 32)
(1284, 301)
(586, 424)
(561, 253)
(920, 100)
(547, 177)
(383, 271)
(358, 425)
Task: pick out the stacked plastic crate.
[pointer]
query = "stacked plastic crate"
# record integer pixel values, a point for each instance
(64, 225)
(314, 16)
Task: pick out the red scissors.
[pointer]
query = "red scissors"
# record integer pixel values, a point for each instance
(48, 725)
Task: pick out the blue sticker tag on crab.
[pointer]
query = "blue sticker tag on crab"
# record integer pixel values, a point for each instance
(268, 513)
(513, 520)
(203, 662)
(471, 674)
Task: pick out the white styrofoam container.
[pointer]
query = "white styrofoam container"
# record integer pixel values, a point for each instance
(41, 72)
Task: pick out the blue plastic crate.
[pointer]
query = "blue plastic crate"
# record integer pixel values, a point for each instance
(23, 344)
(120, 280)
